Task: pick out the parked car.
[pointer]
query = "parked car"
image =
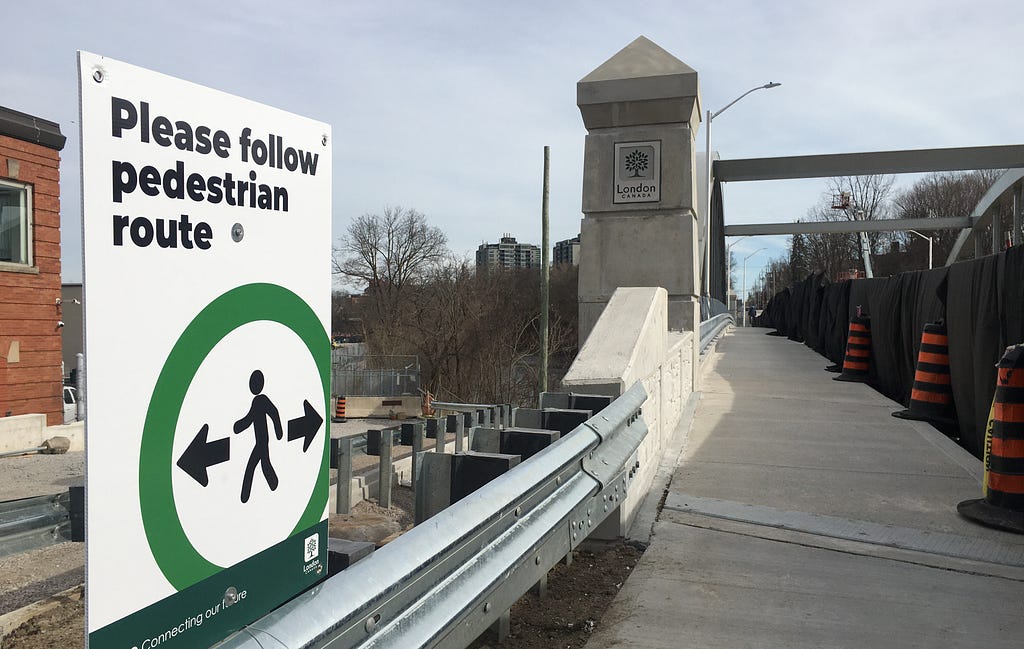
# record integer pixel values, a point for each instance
(70, 404)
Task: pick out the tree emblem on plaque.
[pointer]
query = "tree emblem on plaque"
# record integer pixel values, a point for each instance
(637, 162)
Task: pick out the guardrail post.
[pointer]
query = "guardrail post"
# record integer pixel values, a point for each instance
(343, 489)
(454, 425)
(76, 507)
(436, 425)
(387, 439)
(502, 627)
(467, 425)
(416, 442)
(540, 589)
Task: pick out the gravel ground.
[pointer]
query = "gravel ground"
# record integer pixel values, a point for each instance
(30, 576)
(25, 476)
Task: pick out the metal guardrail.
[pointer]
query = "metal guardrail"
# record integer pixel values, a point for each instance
(31, 523)
(446, 581)
(710, 328)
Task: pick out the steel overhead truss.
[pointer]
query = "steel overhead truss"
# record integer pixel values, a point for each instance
(1009, 157)
(1008, 184)
(878, 162)
(841, 227)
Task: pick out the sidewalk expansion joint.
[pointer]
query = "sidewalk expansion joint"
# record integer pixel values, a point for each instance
(903, 538)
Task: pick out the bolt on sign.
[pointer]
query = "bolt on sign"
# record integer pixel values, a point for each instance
(637, 172)
(206, 270)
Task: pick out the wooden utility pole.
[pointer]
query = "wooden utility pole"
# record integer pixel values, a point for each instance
(545, 276)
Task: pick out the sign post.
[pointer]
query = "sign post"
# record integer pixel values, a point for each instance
(207, 282)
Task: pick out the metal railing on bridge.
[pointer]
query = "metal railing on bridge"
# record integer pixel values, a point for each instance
(449, 579)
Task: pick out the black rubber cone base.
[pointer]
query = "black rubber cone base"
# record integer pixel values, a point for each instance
(835, 369)
(850, 379)
(982, 512)
(908, 414)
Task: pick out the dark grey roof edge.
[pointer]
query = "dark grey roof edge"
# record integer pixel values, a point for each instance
(31, 129)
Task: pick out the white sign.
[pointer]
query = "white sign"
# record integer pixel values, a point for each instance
(207, 309)
(637, 172)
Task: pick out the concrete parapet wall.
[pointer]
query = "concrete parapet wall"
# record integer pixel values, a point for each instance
(629, 343)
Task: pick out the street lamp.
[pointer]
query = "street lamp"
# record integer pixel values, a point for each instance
(728, 267)
(929, 246)
(745, 281)
(707, 203)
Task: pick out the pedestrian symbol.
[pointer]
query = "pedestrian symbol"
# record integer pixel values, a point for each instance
(260, 411)
(202, 453)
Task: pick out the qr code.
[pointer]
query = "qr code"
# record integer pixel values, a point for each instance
(311, 550)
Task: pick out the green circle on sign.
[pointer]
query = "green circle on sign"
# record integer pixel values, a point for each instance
(178, 559)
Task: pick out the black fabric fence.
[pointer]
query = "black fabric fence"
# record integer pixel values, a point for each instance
(982, 302)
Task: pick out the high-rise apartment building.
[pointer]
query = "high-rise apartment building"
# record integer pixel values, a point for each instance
(567, 252)
(508, 253)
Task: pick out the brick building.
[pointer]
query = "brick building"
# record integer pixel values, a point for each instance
(30, 309)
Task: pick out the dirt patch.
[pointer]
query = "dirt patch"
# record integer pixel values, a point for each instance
(577, 597)
(371, 522)
(61, 626)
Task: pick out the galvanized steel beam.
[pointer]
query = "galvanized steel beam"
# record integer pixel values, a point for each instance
(841, 227)
(877, 162)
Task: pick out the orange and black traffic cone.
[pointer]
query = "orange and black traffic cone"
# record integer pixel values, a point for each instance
(858, 351)
(1002, 504)
(339, 411)
(931, 398)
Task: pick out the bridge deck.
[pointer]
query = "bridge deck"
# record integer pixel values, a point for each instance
(803, 515)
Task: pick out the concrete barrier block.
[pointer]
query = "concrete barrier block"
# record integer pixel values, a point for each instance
(342, 553)
(472, 470)
(526, 442)
(22, 431)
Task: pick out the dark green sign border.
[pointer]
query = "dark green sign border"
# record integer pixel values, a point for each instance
(179, 561)
(261, 576)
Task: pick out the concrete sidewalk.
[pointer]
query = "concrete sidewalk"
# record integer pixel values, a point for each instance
(803, 514)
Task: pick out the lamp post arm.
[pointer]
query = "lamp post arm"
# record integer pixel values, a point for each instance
(705, 251)
(712, 116)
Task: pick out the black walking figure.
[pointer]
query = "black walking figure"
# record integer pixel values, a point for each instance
(261, 409)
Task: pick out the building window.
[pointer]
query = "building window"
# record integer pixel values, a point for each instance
(15, 224)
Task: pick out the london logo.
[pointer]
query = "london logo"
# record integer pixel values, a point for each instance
(637, 172)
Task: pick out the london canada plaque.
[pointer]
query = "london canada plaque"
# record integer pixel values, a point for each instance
(637, 172)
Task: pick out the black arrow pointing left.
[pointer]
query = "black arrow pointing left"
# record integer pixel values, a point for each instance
(201, 455)
(305, 427)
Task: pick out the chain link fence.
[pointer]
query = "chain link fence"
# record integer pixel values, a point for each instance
(356, 374)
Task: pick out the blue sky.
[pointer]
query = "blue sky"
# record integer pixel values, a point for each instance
(446, 106)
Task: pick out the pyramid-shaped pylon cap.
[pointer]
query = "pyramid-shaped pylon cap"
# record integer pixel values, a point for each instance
(641, 84)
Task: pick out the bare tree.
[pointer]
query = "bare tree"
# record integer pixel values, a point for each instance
(942, 195)
(386, 254)
(847, 198)
(389, 250)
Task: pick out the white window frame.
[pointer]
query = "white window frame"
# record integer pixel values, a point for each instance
(29, 263)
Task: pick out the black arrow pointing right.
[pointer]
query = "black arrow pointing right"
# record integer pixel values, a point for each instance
(201, 455)
(306, 426)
